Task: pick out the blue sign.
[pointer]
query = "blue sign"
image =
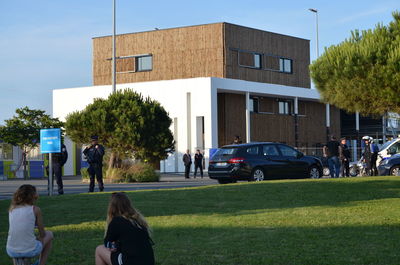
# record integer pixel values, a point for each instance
(50, 141)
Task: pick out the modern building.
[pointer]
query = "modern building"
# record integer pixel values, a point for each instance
(216, 81)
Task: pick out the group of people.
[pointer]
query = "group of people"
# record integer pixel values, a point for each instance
(198, 163)
(127, 239)
(338, 155)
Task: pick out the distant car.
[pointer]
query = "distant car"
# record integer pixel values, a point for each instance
(261, 161)
(390, 166)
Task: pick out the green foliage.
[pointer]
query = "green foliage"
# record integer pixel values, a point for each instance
(363, 72)
(133, 172)
(23, 130)
(125, 122)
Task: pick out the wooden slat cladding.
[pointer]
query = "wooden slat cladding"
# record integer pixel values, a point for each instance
(186, 52)
(231, 118)
(272, 126)
(259, 41)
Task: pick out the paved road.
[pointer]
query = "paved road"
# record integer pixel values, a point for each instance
(74, 185)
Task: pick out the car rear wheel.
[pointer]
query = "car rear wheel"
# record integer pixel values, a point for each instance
(257, 174)
(395, 171)
(314, 173)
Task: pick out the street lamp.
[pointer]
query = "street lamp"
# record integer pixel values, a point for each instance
(327, 106)
(113, 74)
(316, 19)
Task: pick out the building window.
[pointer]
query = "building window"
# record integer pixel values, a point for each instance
(144, 63)
(250, 59)
(285, 65)
(254, 105)
(285, 107)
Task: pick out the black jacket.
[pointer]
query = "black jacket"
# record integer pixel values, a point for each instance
(60, 158)
(94, 155)
(132, 241)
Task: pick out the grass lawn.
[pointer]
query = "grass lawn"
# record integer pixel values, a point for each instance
(325, 221)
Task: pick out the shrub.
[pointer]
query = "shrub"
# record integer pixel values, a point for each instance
(141, 172)
(85, 173)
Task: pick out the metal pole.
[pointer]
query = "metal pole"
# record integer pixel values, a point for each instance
(316, 17)
(50, 175)
(248, 129)
(113, 52)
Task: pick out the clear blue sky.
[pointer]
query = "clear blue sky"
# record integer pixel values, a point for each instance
(46, 44)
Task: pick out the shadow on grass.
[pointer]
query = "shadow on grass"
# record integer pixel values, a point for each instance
(247, 246)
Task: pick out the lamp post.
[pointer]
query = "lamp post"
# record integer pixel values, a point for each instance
(113, 74)
(327, 106)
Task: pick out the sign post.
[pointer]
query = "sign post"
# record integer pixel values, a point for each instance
(50, 142)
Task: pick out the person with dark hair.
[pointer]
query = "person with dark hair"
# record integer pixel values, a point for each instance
(128, 236)
(24, 215)
(94, 155)
(331, 151)
(187, 161)
(198, 163)
(237, 140)
(344, 155)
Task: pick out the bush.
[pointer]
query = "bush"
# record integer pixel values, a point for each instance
(141, 172)
(85, 173)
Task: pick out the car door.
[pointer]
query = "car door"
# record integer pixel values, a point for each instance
(274, 164)
(297, 167)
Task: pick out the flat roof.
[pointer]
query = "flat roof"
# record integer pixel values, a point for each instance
(208, 24)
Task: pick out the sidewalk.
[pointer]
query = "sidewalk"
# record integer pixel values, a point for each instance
(74, 184)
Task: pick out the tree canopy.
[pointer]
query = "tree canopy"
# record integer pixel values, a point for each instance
(363, 72)
(126, 123)
(23, 130)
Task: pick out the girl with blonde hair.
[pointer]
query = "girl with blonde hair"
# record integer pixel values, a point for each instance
(23, 216)
(127, 239)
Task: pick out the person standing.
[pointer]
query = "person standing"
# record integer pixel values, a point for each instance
(374, 157)
(198, 163)
(58, 161)
(367, 155)
(344, 155)
(187, 161)
(331, 150)
(94, 155)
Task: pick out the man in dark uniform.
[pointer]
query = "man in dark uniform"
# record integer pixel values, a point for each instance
(94, 156)
(187, 161)
(198, 163)
(58, 161)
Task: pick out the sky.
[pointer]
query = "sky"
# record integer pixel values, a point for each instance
(47, 44)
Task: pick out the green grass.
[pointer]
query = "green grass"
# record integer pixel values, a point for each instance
(327, 221)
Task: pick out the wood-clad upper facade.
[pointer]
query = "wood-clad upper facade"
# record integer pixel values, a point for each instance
(214, 50)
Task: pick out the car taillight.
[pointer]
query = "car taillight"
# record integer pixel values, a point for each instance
(236, 160)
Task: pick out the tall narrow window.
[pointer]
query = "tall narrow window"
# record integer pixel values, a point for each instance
(144, 63)
(285, 107)
(285, 65)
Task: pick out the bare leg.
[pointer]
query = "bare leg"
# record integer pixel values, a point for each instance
(103, 255)
(47, 244)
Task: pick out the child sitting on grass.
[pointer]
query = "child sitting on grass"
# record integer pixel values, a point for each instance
(127, 239)
(23, 216)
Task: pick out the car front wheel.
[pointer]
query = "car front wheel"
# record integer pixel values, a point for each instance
(314, 172)
(395, 171)
(257, 175)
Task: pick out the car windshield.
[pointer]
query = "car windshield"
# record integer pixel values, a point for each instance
(226, 151)
(385, 145)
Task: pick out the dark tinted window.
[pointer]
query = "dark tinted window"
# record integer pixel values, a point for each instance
(287, 151)
(270, 150)
(253, 150)
(226, 151)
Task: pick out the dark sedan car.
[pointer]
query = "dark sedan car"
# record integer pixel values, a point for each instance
(390, 166)
(260, 161)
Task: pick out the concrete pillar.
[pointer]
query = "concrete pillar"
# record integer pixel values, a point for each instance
(248, 132)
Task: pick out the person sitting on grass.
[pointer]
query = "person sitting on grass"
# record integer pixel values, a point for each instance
(23, 216)
(127, 239)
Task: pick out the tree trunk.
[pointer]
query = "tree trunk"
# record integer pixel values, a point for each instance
(24, 163)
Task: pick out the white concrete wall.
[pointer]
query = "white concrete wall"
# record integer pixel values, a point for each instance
(172, 96)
